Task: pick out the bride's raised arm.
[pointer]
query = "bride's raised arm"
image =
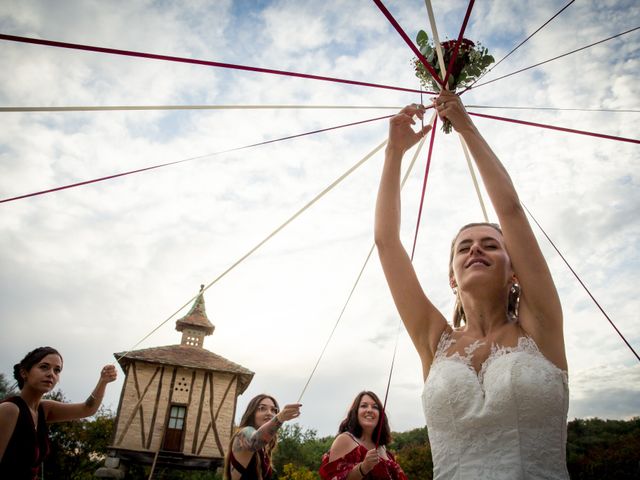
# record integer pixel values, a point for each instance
(421, 319)
(540, 312)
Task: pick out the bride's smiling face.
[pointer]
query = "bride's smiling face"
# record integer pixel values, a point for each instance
(479, 255)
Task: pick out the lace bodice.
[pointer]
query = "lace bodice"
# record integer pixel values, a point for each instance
(509, 421)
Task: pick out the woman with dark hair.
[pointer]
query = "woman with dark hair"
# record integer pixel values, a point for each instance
(353, 454)
(495, 395)
(250, 448)
(24, 439)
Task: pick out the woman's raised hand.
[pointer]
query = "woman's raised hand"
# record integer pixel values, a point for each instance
(289, 412)
(450, 107)
(108, 373)
(401, 135)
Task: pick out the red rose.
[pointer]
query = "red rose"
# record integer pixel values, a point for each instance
(450, 44)
(460, 62)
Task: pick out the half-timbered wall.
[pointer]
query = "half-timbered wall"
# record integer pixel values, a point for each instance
(151, 389)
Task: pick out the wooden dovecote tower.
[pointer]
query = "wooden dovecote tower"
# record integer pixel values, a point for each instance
(178, 402)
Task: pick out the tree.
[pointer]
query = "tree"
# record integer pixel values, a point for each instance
(413, 453)
(79, 447)
(7, 388)
(301, 450)
(417, 436)
(292, 472)
(416, 461)
(603, 449)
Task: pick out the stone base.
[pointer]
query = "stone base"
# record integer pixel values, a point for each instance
(106, 472)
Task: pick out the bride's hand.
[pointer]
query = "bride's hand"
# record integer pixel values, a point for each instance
(450, 107)
(401, 136)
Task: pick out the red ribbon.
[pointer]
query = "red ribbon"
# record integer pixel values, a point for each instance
(424, 184)
(459, 42)
(153, 167)
(130, 53)
(553, 127)
(408, 41)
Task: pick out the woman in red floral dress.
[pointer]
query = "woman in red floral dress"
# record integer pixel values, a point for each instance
(353, 454)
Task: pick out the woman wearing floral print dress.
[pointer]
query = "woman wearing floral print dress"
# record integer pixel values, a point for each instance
(353, 454)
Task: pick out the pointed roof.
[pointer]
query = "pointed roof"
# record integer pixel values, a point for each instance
(197, 316)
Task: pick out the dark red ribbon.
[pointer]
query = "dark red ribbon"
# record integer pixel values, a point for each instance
(424, 184)
(459, 42)
(153, 56)
(153, 167)
(408, 41)
(553, 127)
(520, 44)
(582, 283)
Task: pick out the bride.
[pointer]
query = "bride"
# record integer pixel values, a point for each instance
(495, 395)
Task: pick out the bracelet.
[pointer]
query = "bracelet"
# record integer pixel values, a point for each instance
(360, 470)
(277, 420)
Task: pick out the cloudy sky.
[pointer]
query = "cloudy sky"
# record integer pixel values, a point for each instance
(92, 270)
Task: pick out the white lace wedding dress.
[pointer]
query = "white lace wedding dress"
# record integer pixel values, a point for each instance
(507, 422)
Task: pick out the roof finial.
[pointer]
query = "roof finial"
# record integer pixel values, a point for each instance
(196, 318)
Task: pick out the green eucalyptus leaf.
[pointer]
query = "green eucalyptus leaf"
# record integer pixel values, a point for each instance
(472, 61)
(422, 38)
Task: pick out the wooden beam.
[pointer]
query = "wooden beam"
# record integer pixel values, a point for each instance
(152, 427)
(194, 445)
(135, 378)
(226, 392)
(138, 405)
(213, 420)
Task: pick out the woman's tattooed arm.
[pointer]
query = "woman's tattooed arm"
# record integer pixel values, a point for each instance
(251, 439)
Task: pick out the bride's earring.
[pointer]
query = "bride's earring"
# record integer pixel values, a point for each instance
(514, 301)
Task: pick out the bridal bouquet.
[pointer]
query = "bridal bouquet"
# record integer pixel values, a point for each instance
(471, 63)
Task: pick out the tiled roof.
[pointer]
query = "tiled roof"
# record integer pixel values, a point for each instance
(188, 356)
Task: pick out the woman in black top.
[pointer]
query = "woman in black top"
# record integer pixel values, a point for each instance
(24, 439)
(249, 455)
